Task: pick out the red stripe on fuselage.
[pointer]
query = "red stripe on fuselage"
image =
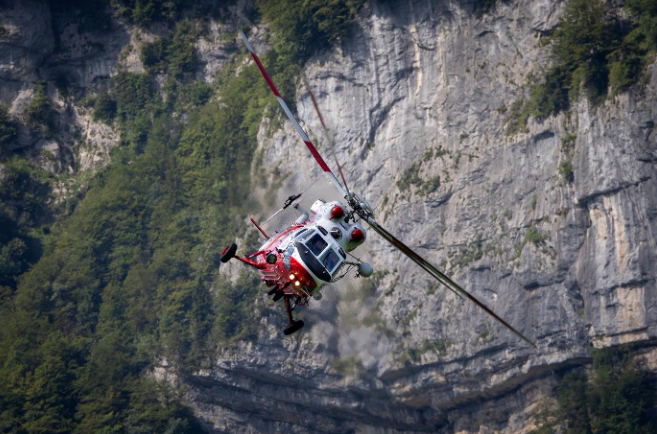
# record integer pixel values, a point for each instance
(264, 74)
(272, 243)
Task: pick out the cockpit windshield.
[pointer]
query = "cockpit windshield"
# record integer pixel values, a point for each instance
(321, 257)
(316, 244)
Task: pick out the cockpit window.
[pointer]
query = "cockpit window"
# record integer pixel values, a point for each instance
(322, 230)
(301, 233)
(316, 244)
(330, 260)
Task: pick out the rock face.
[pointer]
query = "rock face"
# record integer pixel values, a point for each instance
(419, 89)
(416, 98)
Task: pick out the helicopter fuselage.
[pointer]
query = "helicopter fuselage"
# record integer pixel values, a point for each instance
(310, 253)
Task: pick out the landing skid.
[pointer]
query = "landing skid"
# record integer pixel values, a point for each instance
(293, 325)
(278, 292)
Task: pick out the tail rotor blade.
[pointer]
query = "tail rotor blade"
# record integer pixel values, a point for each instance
(438, 275)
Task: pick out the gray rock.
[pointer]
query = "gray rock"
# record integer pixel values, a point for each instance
(414, 76)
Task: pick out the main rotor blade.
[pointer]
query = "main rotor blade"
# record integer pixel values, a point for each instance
(296, 125)
(438, 275)
(327, 132)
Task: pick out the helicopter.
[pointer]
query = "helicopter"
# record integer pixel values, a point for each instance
(312, 252)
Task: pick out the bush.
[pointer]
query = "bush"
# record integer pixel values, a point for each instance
(8, 129)
(104, 108)
(38, 114)
(532, 235)
(173, 55)
(566, 171)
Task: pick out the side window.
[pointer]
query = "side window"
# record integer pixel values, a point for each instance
(322, 230)
(331, 260)
(316, 244)
(301, 232)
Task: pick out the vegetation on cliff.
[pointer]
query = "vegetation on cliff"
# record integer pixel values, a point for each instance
(595, 51)
(125, 280)
(616, 395)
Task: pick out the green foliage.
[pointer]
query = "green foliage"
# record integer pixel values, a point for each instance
(414, 355)
(104, 108)
(302, 27)
(566, 171)
(517, 118)
(137, 103)
(617, 397)
(145, 12)
(24, 191)
(234, 306)
(128, 278)
(38, 114)
(8, 129)
(591, 54)
(173, 54)
(411, 176)
(485, 337)
(568, 143)
(469, 254)
(534, 236)
(350, 366)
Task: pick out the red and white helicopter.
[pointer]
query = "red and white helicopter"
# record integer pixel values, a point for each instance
(312, 251)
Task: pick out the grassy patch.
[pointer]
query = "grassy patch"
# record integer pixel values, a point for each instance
(532, 235)
(485, 337)
(467, 255)
(350, 366)
(414, 355)
(411, 176)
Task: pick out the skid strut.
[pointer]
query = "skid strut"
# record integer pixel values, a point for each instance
(289, 310)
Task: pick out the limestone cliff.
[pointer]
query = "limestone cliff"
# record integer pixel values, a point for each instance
(416, 97)
(420, 89)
